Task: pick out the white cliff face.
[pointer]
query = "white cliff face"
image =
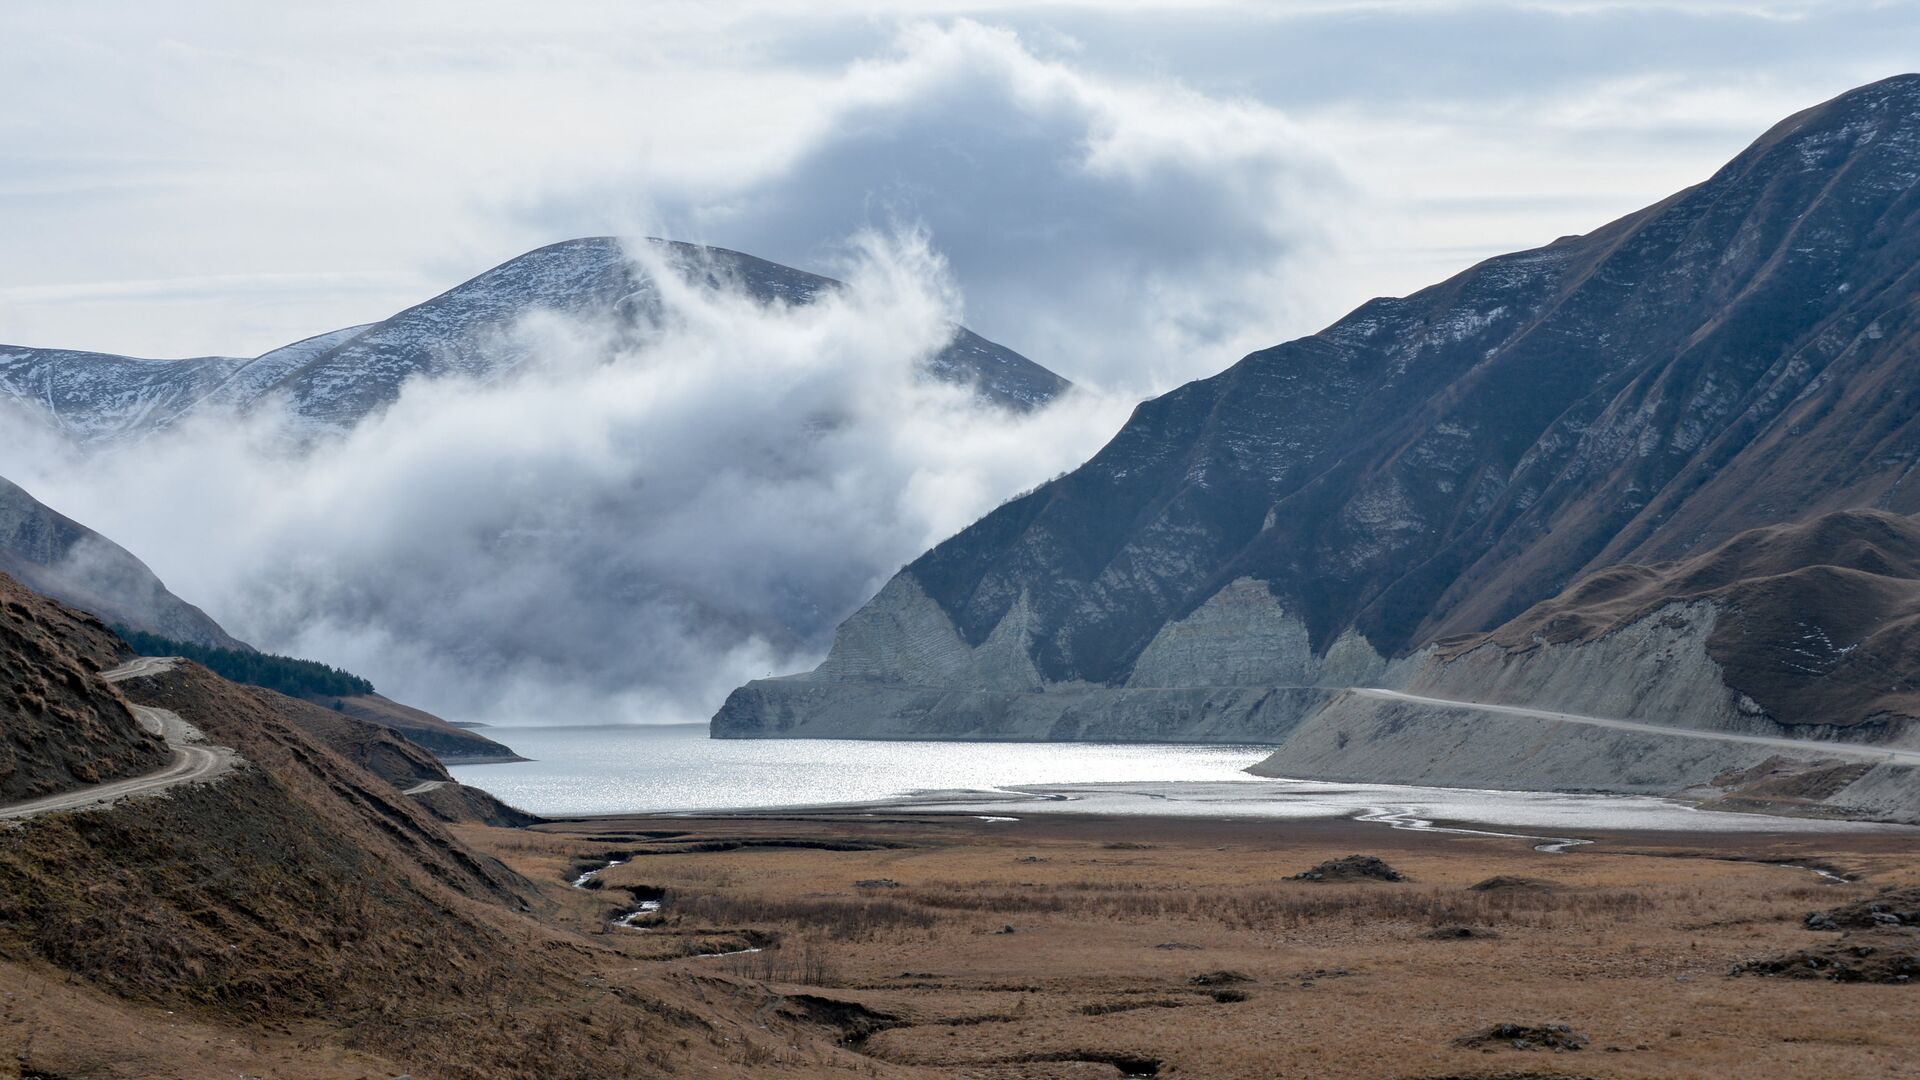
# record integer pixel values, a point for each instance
(1656, 669)
(902, 637)
(1242, 636)
(1238, 669)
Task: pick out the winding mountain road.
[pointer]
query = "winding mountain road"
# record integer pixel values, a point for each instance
(1881, 754)
(193, 759)
(140, 667)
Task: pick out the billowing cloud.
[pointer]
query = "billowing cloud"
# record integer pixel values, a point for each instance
(1132, 234)
(612, 533)
(151, 152)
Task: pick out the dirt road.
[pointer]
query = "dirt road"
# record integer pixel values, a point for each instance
(193, 759)
(1803, 746)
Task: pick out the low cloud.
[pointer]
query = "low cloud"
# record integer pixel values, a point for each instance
(1131, 234)
(614, 532)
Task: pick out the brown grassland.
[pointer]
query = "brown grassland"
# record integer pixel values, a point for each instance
(1061, 946)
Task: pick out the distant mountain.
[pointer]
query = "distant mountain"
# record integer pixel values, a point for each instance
(51, 553)
(1740, 354)
(335, 379)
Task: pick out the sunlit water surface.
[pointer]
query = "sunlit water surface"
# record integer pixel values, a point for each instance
(651, 769)
(606, 770)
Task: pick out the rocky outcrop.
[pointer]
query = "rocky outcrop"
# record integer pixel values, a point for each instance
(1737, 355)
(1367, 739)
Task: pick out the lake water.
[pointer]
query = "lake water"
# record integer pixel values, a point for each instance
(606, 770)
(649, 769)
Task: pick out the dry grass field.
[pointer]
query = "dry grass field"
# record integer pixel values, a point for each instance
(1058, 946)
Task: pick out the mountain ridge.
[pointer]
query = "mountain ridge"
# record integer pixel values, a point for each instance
(1428, 466)
(334, 379)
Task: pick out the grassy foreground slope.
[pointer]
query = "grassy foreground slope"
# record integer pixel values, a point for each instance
(298, 917)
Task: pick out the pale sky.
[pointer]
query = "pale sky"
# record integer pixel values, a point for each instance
(1132, 193)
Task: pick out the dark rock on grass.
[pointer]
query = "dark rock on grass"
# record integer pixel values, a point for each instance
(1220, 978)
(1351, 868)
(1890, 908)
(1172, 945)
(877, 883)
(1892, 959)
(1555, 1037)
(1513, 883)
(854, 1021)
(1461, 933)
(1129, 1064)
(1108, 1008)
(1523, 1074)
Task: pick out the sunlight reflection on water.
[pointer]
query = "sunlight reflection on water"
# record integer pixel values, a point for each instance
(639, 769)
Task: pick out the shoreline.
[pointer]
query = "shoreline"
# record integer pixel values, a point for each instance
(1046, 805)
(1834, 858)
(458, 760)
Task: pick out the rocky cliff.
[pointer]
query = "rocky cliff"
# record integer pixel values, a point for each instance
(1737, 355)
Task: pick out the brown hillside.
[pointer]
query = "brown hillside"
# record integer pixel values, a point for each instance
(300, 917)
(398, 760)
(379, 750)
(61, 728)
(447, 741)
(302, 888)
(1819, 621)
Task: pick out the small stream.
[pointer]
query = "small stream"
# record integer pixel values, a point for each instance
(1402, 817)
(585, 881)
(643, 908)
